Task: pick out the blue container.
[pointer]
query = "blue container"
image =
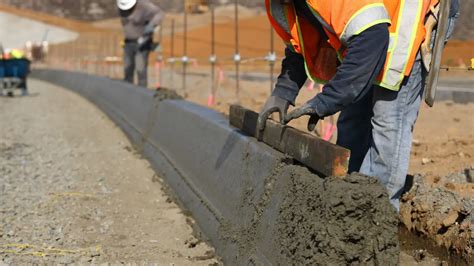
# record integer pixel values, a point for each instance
(14, 68)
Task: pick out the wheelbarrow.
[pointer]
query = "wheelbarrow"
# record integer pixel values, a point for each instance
(13, 76)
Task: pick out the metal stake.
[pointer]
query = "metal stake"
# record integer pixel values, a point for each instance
(272, 57)
(237, 57)
(185, 59)
(160, 57)
(213, 57)
(172, 59)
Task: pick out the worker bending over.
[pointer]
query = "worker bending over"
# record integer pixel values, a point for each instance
(367, 54)
(139, 20)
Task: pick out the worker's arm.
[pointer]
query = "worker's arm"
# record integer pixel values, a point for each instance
(364, 60)
(154, 16)
(289, 82)
(292, 77)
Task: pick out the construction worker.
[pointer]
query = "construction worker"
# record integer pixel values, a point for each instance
(367, 54)
(139, 18)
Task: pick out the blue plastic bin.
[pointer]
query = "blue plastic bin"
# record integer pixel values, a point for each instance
(14, 68)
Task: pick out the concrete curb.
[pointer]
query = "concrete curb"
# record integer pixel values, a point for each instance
(456, 95)
(210, 186)
(234, 186)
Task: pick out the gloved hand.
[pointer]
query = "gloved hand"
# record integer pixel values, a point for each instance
(273, 104)
(306, 109)
(149, 29)
(143, 41)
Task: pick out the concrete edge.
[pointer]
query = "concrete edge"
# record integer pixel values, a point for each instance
(212, 186)
(455, 94)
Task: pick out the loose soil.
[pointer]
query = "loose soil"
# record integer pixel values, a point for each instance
(441, 215)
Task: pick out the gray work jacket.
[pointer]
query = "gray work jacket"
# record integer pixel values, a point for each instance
(135, 20)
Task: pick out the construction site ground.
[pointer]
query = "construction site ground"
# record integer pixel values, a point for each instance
(68, 183)
(74, 190)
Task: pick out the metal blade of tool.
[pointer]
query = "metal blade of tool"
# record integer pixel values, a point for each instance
(437, 52)
(317, 154)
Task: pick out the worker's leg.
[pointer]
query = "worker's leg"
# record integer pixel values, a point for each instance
(142, 67)
(354, 130)
(129, 51)
(24, 87)
(394, 116)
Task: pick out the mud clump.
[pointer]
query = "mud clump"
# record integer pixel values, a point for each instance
(337, 221)
(162, 94)
(441, 215)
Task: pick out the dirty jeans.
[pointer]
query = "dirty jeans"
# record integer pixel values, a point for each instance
(134, 58)
(379, 129)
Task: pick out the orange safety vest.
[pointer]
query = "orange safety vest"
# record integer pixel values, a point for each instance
(343, 19)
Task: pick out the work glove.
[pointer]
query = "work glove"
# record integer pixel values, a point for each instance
(143, 41)
(149, 29)
(272, 105)
(306, 109)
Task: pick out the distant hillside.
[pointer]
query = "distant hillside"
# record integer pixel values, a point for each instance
(103, 9)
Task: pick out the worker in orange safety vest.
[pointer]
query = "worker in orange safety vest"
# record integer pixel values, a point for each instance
(367, 53)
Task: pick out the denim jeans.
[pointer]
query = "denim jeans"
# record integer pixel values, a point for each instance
(133, 58)
(379, 129)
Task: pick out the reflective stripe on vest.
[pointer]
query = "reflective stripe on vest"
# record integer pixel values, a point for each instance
(405, 35)
(363, 19)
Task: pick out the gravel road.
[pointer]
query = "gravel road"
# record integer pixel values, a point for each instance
(72, 189)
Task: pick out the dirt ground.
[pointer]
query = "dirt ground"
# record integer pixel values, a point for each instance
(73, 190)
(443, 136)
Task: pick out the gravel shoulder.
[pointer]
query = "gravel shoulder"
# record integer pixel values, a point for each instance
(72, 189)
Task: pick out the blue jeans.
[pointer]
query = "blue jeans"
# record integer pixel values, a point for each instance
(379, 129)
(135, 59)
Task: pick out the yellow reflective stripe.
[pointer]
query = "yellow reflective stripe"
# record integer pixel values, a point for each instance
(380, 21)
(339, 56)
(364, 18)
(391, 44)
(308, 73)
(306, 68)
(311, 77)
(386, 86)
(405, 35)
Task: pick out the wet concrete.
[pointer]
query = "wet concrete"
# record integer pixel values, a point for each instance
(336, 221)
(302, 218)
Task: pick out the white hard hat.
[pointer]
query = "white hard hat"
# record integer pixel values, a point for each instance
(126, 4)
